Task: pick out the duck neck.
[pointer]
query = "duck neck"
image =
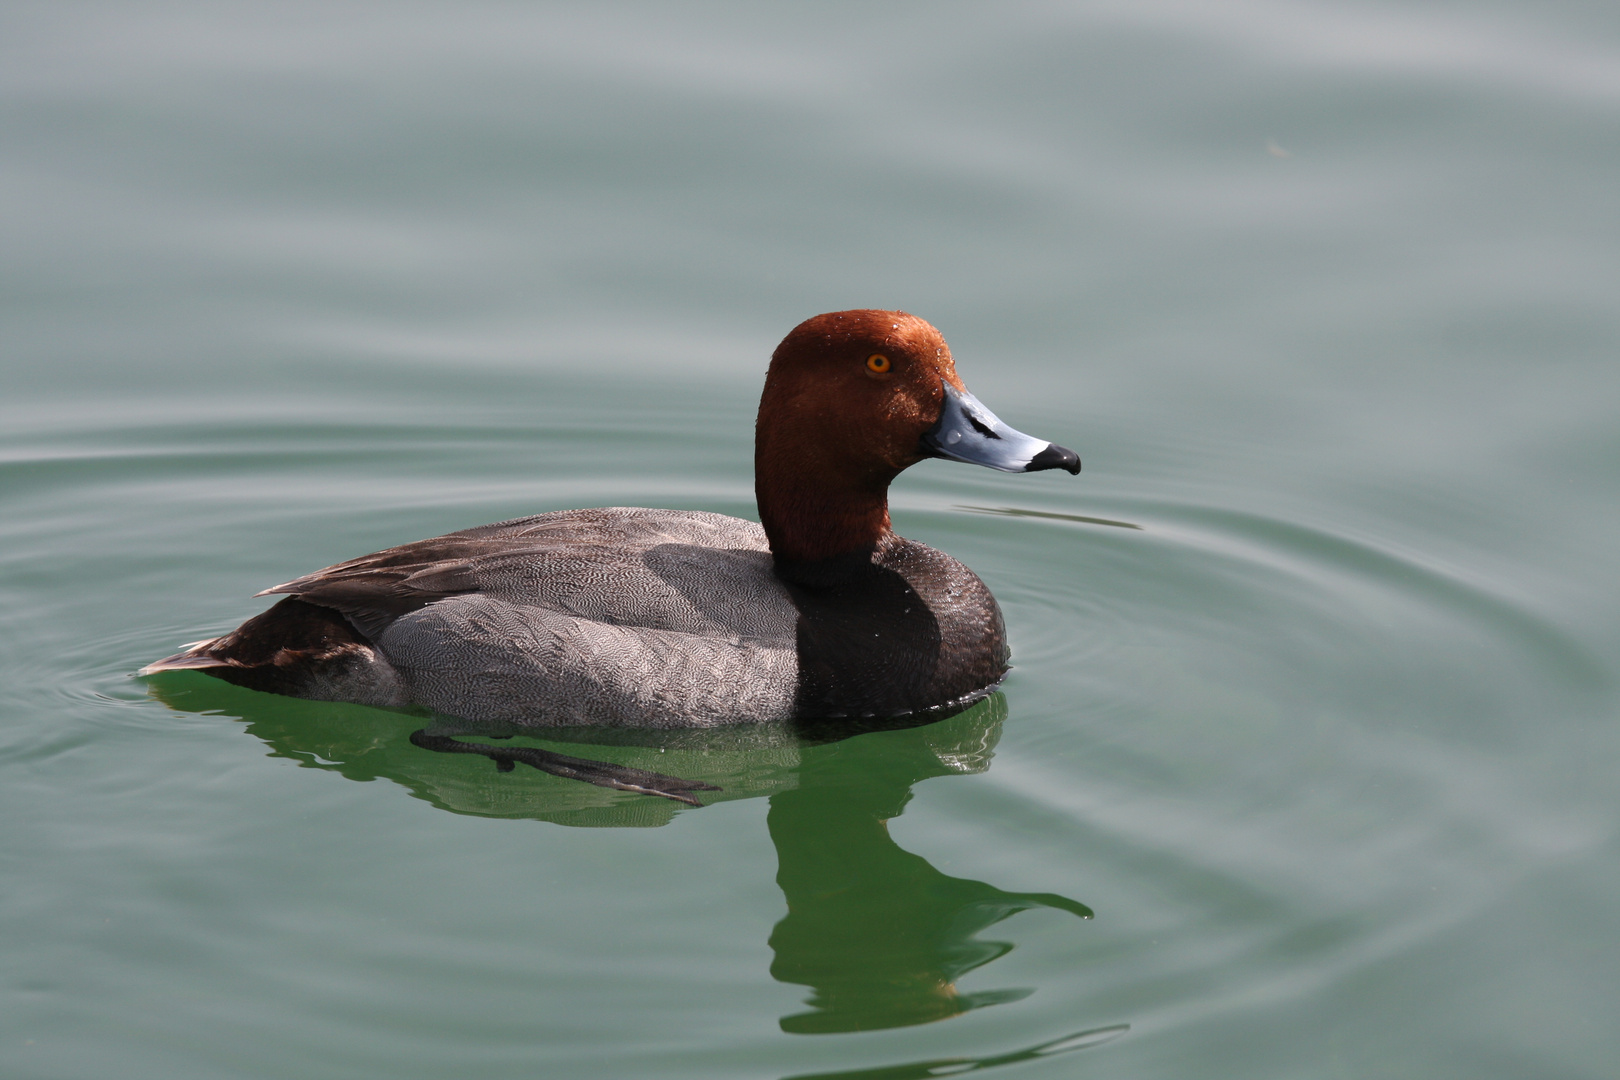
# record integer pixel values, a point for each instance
(814, 529)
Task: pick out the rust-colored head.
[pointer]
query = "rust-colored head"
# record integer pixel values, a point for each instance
(848, 402)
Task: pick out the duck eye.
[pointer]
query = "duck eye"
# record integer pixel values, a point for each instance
(878, 363)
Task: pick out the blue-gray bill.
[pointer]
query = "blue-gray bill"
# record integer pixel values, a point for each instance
(967, 431)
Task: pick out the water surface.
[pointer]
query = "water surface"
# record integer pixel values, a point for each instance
(1307, 764)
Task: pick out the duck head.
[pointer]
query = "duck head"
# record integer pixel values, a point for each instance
(852, 399)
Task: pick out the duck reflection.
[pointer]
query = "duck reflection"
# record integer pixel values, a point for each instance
(878, 935)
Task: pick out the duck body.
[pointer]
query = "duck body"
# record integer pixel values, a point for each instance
(645, 618)
(623, 617)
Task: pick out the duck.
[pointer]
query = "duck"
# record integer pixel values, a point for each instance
(646, 618)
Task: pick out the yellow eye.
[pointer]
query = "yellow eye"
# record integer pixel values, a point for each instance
(878, 363)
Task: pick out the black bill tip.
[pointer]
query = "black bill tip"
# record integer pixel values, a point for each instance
(1055, 457)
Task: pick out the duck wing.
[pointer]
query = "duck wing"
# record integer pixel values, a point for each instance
(618, 565)
(374, 590)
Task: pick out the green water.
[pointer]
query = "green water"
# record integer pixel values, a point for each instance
(1310, 773)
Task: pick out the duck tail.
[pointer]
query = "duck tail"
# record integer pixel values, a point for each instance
(298, 649)
(194, 657)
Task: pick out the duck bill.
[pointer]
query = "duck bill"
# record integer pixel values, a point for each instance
(967, 431)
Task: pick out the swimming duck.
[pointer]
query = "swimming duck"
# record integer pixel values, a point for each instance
(673, 618)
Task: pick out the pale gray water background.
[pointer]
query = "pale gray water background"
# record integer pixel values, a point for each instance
(1326, 295)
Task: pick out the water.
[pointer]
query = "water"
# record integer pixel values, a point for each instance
(1325, 745)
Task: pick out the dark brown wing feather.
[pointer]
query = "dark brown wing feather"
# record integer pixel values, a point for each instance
(374, 590)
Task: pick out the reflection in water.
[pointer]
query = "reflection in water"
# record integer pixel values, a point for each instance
(600, 773)
(920, 1070)
(878, 935)
(1011, 511)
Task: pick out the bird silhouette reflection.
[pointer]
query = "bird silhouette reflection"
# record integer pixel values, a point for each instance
(878, 934)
